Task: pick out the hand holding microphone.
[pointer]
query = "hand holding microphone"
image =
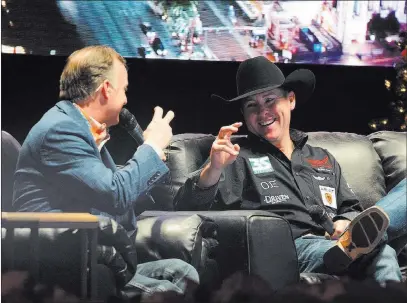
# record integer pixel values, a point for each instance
(158, 133)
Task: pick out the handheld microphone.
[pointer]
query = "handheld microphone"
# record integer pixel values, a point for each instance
(320, 216)
(130, 124)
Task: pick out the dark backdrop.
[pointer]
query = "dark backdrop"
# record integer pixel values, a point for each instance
(345, 99)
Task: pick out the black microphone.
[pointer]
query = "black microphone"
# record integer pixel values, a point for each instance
(320, 216)
(130, 124)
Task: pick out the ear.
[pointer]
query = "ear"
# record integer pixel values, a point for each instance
(106, 89)
(291, 98)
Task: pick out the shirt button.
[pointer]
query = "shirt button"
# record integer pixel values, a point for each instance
(307, 197)
(297, 174)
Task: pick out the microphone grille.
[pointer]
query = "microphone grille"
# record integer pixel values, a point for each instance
(127, 119)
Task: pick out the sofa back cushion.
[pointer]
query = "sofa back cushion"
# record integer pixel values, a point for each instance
(361, 165)
(186, 154)
(392, 149)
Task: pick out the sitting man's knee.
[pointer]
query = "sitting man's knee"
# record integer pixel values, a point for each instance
(180, 267)
(165, 286)
(388, 252)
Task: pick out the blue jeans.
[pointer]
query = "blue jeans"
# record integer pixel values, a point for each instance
(164, 275)
(311, 249)
(395, 205)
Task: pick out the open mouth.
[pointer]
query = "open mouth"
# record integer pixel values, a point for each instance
(268, 122)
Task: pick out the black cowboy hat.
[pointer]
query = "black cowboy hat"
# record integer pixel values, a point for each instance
(258, 74)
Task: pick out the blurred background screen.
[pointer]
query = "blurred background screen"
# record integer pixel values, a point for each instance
(316, 32)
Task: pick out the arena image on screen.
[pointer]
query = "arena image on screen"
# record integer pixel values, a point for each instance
(319, 32)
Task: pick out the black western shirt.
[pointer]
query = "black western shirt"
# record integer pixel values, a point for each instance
(263, 178)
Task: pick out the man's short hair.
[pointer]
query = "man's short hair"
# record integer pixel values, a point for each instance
(85, 70)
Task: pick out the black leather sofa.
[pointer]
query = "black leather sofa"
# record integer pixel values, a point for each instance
(258, 242)
(58, 251)
(261, 243)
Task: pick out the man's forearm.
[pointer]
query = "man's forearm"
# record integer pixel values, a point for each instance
(348, 216)
(209, 176)
(199, 189)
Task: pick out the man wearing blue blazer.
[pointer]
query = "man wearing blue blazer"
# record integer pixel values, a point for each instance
(64, 166)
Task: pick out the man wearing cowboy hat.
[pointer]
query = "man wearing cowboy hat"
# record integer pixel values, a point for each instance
(274, 169)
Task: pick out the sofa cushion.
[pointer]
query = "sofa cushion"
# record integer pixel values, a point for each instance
(361, 165)
(391, 148)
(257, 242)
(186, 154)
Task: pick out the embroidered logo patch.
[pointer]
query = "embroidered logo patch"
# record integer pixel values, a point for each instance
(320, 163)
(276, 199)
(328, 196)
(269, 184)
(261, 165)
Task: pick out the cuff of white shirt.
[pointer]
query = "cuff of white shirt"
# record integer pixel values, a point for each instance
(158, 150)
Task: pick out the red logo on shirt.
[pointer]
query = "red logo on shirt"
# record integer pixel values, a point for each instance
(320, 163)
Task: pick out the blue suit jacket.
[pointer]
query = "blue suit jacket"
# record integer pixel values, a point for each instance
(60, 169)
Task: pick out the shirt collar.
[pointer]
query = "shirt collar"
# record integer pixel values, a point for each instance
(298, 137)
(95, 128)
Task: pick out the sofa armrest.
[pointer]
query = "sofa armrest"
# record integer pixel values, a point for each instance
(391, 148)
(258, 242)
(164, 235)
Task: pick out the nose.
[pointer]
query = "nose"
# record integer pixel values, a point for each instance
(263, 111)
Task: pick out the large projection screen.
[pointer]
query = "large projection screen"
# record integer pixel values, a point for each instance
(317, 32)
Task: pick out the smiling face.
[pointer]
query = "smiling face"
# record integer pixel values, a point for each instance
(268, 114)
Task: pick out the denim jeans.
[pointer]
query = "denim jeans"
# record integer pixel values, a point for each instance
(311, 249)
(164, 275)
(395, 205)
